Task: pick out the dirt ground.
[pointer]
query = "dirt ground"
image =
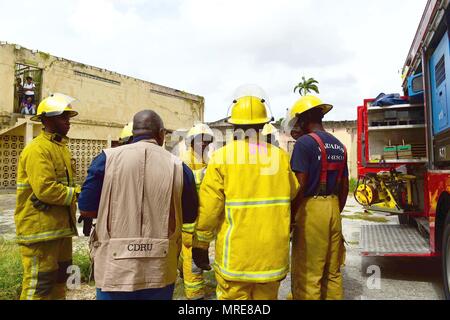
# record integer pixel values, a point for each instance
(401, 278)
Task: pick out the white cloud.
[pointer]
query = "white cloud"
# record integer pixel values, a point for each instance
(354, 48)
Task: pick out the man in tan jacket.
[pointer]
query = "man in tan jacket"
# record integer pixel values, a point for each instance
(140, 195)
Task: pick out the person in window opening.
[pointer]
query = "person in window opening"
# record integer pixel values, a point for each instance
(19, 91)
(29, 87)
(28, 107)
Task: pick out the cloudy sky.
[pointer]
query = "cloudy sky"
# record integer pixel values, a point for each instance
(354, 48)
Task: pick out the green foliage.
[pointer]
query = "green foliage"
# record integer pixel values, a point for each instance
(10, 271)
(82, 260)
(366, 218)
(280, 121)
(44, 55)
(307, 86)
(353, 184)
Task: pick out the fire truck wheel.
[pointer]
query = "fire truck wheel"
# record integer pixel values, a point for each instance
(446, 257)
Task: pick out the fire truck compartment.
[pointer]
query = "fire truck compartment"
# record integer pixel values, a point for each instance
(385, 240)
(442, 149)
(440, 89)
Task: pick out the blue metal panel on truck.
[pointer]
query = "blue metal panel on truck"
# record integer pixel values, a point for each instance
(415, 86)
(439, 76)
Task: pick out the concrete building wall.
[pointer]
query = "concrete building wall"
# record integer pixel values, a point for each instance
(104, 96)
(346, 132)
(106, 102)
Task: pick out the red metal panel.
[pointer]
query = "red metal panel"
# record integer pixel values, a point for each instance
(436, 184)
(360, 132)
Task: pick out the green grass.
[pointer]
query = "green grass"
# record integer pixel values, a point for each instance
(352, 185)
(365, 217)
(82, 260)
(365, 213)
(11, 268)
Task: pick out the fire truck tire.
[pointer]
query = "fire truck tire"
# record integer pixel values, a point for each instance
(446, 257)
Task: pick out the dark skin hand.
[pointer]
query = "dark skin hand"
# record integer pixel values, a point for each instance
(343, 194)
(89, 214)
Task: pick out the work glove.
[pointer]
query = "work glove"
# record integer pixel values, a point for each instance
(38, 204)
(201, 260)
(87, 225)
(77, 191)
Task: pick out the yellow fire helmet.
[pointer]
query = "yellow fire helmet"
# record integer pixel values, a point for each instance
(269, 129)
(199, 128)
(127, 132)
(250, 106)
(304, 104)
(54, 105)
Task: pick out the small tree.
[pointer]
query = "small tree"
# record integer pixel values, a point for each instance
(280, 121)
(306, 86)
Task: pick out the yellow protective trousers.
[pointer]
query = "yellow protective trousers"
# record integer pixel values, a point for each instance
(45, 269)
(318, 250)
(236, 290)
(194, 284)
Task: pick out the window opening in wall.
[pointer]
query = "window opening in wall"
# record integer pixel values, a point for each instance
(27, 89)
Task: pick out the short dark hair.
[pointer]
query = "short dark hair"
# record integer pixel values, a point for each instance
(147, 122)
(312, 116)
(29, 78)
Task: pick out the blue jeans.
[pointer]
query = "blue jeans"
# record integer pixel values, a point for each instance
(147, 294)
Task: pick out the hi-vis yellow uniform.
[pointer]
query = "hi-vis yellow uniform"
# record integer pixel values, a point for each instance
(318, 250)
(45, 170)
(245, 200)
(194, 284)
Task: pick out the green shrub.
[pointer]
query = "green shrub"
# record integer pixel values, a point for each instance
(82, 260)
(10, 270)
(353, 184)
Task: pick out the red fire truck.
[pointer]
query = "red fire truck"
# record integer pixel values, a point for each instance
(404, 151)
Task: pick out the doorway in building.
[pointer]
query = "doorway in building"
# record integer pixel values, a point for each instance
(27, 88)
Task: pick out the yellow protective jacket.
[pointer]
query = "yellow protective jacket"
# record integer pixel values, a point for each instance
(196, 163)
(45, 170)
(245, 200)
(198, 167)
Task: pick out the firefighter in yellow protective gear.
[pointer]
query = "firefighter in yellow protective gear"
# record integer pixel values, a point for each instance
(320, 163)
(271, 134)
(245, 201)
(198, 141)
(46, 203)
(126, 135)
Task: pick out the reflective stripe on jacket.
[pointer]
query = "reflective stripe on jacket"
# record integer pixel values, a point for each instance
(245, 199)
(45, 170)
